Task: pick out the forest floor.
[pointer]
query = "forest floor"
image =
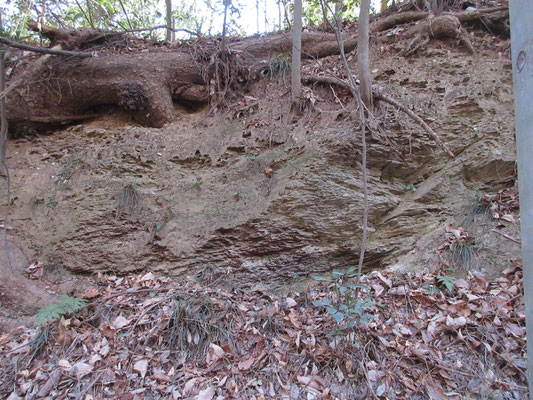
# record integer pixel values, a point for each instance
(455, 330)
(411, 335)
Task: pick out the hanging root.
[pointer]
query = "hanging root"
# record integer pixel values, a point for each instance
(223, 70)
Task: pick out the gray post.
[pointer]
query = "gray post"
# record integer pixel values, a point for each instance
(522, 57)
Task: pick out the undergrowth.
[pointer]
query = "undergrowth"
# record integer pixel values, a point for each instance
(346, 309)
(193, 324)
(66, 306)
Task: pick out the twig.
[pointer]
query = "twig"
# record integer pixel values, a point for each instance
(505, 235)
(44, 50)
(90, 385)
(153, 28)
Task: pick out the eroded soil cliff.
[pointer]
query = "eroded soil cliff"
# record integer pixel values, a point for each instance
(258, 198)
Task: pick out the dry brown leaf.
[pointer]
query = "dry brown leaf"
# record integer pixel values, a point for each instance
(434, 390)
(246, 364)
(141, 367)
(90, 293)
(206, 394)
(290, 302)
(120, 322)
(161, 376)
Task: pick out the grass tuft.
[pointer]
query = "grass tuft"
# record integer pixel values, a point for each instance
(128, 201)
(464, 255)
(194, 324)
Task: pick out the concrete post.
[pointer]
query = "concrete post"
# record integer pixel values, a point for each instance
(522, 57)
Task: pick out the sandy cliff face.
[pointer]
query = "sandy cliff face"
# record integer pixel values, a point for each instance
(255, 200)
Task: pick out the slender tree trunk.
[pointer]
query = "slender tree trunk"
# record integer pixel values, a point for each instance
(257, 15)
(296, 56)
(126, 14)
(226, 5)
(338, 10)
(383, 6)
(286, 11)
(280, 21)
(169, 20)
(420, 4)
(42, 19)
(265, 12)
(363, 61)
(90, 13)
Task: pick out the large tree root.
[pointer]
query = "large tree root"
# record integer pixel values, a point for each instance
(145, 84)
(378, 95)
(492, 18)
(445, 26)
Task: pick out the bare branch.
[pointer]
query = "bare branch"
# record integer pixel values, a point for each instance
(44, 50)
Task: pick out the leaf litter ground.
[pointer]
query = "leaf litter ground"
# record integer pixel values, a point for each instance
(150, 337)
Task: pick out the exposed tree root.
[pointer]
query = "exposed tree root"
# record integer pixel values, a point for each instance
(397, 19)
(493, 18)
(445, 26)
(378, 95)
(145, 84)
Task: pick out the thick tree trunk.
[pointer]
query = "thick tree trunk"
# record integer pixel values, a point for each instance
(145, 84)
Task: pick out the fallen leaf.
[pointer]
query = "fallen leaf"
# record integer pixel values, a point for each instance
(141, 367)
(90, 293)
(290, 302)
(433, 390)
(161, 376)
(455, 322)
(246, 364)
(215, 353)
(120, 322)
(81, 369)
(206, 394)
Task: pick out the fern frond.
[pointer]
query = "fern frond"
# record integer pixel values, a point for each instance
(67, 305)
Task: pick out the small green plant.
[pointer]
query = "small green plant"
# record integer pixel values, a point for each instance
(430, 289)
(280, 65)
(197, 185)
(39, 342)
(346, 309)
(447, 281)
(68, 170)
(67, 306)
(193, 324)
(409, 187)
(480, 205)
(252, 156)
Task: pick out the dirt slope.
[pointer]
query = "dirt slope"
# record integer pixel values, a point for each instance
(258, 198)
